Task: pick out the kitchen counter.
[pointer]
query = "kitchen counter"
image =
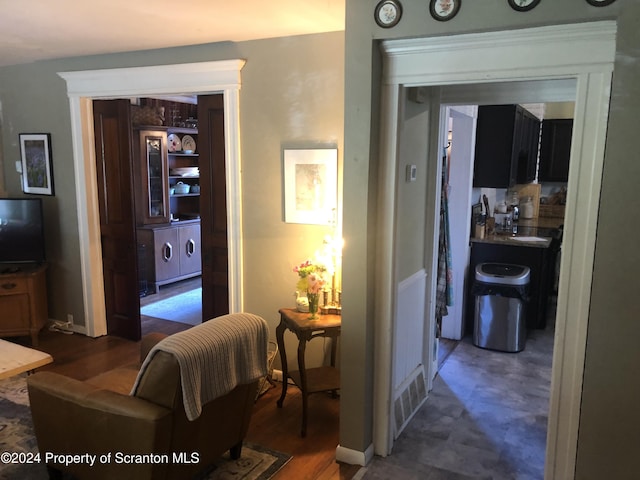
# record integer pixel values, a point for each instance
(537, 232)
(518, 240)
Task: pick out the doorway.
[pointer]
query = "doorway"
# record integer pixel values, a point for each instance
(497, 58)
(221, 77)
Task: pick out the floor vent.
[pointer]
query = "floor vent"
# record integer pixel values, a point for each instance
(408, 398)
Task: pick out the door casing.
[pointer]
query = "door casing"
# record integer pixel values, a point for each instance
(189, 78)
(581, 53)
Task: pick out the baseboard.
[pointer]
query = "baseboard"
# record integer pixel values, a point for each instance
(354, 457)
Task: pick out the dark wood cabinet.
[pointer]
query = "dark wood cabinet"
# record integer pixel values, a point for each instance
(555, 150)
(170, 253)
(23, 302)
(506, 146)
(184, 173)
(541, 261)
(152, 205)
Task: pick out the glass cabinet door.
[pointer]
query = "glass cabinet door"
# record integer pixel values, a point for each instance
(154, 150)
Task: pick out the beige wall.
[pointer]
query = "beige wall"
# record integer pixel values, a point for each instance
(292, 95)
(608, 424)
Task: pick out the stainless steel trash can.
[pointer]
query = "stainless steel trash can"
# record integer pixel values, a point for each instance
(501, 292)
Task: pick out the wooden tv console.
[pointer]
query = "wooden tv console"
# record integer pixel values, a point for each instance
(23, 300)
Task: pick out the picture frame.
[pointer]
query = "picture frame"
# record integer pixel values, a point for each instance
(523, 5)
(310, 185)
(444, 10)
(35, 159)
(600, 3)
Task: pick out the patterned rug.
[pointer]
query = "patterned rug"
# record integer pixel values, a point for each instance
(16, 435)
(183, 308)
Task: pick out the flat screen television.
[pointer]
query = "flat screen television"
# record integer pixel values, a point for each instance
(21, 231)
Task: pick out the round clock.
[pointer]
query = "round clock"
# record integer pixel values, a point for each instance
(388, 13)
(523, 5)
(443, 10)
(600, 3)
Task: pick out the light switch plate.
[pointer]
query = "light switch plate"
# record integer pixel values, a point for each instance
(412, 173)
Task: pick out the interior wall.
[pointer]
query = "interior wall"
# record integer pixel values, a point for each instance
(291, 96)
(610, 355)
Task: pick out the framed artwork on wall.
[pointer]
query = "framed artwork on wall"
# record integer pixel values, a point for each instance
(310, 185)
(35, 159)
(600, 3)
(444, 10)
(523, 5)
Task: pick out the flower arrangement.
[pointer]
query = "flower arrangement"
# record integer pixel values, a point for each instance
(311, 277)
(311, 280)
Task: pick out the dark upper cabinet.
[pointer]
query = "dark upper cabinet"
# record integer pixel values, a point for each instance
(506, 153)
(555, 150)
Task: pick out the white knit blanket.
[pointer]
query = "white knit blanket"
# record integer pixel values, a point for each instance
(215, 357)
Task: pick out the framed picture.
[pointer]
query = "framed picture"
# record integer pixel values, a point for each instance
(310, 186)
(444, 10)
(37, 171)
(523, 5)
(600, 3)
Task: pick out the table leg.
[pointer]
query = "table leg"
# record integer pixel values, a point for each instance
(334, 341)
(283, 360)
(302, 345)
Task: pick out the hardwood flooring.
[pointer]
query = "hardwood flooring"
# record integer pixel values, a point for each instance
(81, 357)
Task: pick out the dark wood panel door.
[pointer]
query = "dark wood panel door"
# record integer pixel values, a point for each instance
(213, 206)
(114, 168)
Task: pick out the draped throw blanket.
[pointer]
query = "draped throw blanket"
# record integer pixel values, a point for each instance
(215, 357)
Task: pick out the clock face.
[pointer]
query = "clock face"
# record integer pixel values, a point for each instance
(388, 13)
(523, 5)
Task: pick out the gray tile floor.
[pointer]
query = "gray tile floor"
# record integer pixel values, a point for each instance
(486, 418)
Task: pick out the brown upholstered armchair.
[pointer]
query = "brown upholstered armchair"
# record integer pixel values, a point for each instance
(105, 417)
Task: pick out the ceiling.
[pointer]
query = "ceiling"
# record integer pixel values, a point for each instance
(45, 29)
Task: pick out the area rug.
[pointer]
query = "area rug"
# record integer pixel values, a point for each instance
(183, 308)
(16, 435)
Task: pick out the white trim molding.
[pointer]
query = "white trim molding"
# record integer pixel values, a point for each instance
(189, 78)
(578, 54)
(354, 457)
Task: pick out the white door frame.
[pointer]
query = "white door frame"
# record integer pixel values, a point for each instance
(191, 78)
(582, 53)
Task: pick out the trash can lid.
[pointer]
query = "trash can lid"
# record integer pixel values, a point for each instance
(502, 273)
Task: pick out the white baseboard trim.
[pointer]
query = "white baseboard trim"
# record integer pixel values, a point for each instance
(354, 457)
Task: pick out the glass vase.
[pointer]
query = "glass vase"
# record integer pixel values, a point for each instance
(314, 300)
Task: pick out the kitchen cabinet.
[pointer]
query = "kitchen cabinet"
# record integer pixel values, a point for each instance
(169, 253)
(539, 258)
(506, 151)
(555, 150)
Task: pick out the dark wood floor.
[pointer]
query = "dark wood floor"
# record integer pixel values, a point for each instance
(81, 357)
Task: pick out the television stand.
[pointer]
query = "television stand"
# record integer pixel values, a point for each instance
(23, 301)
(10, 270)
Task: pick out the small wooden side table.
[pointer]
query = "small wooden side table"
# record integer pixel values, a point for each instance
(312, 380)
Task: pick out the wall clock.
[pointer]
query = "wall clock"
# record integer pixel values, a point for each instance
(523, 5)
(600, 3)
(388, 13)
(443, 10)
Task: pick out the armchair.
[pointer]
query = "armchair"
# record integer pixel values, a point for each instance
(173, 423)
